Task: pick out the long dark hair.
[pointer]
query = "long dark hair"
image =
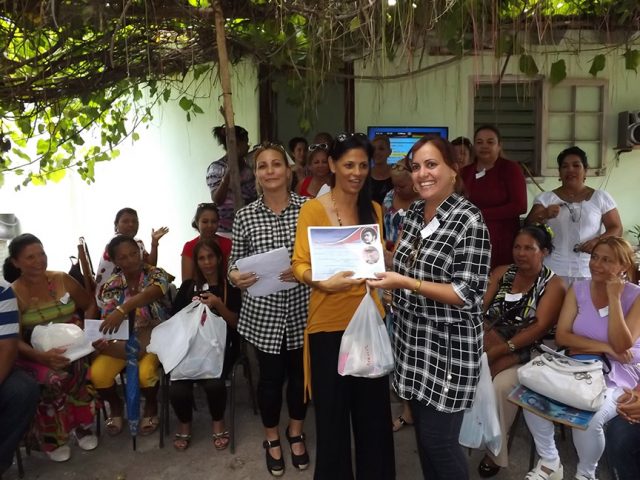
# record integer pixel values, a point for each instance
(197, 273)
(341, 145)
(10, 272)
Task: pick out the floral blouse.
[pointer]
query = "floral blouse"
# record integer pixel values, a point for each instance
(114, 292)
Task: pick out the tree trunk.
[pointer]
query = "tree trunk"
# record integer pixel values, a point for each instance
(227, 109)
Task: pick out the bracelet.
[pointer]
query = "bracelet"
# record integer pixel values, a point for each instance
(121, 310)
(417, 287)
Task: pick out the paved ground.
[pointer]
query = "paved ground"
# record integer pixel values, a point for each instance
(115, 460)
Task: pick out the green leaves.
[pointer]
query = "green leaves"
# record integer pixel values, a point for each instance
(632, 60)
(527, 65)
(597, 64)
(558, 72)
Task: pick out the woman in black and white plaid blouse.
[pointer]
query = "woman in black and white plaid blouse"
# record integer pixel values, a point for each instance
(441, 266)
(275, 323)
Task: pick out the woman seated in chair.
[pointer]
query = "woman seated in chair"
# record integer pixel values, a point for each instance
(65, 410)
(522, 303)
(600, 316)
(140, 288)
(210, 287)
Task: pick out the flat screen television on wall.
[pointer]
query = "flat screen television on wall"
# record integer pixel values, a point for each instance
(403, 138)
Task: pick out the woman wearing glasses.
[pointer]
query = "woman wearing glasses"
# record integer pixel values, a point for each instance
(341, 402)
(579, 215)
(274, 323)
(441, 267)
(319, 173)
(205, 221)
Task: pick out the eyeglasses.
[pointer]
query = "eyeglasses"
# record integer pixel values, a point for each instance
(341, 137)
(575, 216)
(212, 205)
(412, 257)
(400, 166)
(318, 146)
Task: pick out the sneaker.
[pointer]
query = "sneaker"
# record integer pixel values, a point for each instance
(582, 476)
(60, 454)
(88, 441)
(539, 474)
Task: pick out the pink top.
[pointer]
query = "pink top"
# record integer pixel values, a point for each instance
(223, 242)
(590, 324)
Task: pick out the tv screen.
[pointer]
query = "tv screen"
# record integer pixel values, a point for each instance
(403, 138)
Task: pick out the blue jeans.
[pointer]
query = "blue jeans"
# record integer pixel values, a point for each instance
(19, 395)
(623, 448)
(441, 456)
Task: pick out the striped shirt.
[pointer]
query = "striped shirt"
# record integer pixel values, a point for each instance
(265, 321)
(9, 316)
(437, 345)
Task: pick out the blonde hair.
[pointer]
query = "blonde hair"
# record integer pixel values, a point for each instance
(622, 251)
(263, 147)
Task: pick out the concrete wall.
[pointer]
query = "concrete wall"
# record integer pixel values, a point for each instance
(162, 176)
(442, 96)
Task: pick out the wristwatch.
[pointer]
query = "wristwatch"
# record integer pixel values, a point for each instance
(512, 347)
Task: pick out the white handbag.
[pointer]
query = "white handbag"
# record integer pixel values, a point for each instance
(577, 383)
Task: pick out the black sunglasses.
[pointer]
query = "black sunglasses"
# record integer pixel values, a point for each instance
(341, 137)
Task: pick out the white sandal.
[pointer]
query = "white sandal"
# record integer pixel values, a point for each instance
(539, 474)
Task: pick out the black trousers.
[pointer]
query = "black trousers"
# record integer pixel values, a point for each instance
(342, 403)
(181, 395)
(274, 371)
(441, 455)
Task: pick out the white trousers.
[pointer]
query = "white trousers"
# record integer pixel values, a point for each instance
(589, 443)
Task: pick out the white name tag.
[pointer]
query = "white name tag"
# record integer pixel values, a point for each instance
(604, 311)
(481, 173)
(512, 297)
(430, 228)
(65, 298)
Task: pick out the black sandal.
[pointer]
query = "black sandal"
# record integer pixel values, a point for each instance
(486, 470)
(274, 466)
(301, 462)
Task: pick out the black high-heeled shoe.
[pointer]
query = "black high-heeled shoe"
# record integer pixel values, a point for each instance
(301, 462)
(274, 466)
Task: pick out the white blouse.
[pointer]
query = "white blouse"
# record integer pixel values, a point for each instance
(576, 223)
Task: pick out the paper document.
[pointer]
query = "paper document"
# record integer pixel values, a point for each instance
(93, 333)
(336, 249)
(268, 266)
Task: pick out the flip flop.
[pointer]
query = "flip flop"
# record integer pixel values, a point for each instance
(148, 425)
(181, 441)
(221, 440)
(399, 423)
(113, 425)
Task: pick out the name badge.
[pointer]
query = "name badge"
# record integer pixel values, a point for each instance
(481, 173)
(604, 311)
(65, 298)
(430, 228)
(512, 297)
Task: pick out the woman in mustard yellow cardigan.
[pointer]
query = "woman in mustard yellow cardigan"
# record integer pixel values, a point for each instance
(343, 401)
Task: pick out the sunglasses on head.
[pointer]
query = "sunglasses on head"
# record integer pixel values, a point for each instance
(341, 137)
(208, 205)
(318, 146)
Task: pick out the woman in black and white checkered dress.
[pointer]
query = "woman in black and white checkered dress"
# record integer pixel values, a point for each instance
(274, 323)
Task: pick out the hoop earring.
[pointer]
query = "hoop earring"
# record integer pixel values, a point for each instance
(415, 190)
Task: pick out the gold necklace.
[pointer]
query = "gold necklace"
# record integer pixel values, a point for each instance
(333, 200)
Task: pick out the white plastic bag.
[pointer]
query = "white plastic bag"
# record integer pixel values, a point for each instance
(480, 425)
(61, 335)
(365, 349)
(191, 344)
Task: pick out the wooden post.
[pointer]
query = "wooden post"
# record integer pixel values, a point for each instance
(227, 106)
